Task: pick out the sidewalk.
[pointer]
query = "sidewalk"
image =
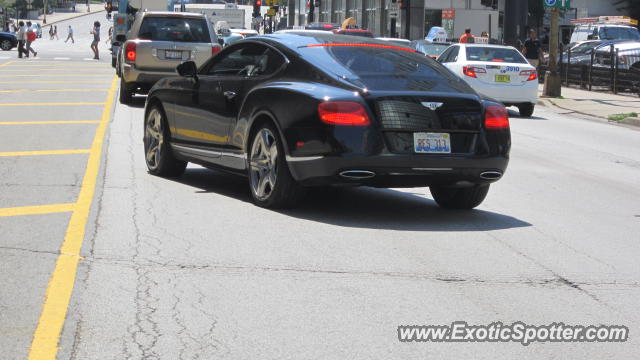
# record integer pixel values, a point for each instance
(81, 10)
(595, 103)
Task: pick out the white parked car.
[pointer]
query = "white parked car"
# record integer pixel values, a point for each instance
(499, 72)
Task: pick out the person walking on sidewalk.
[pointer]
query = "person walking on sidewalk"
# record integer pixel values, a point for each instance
(50, 32)
(31, 37)
(96, 39)
(70, 35)
(467, 37)
(533, 49)
(22, 39)
(55, 32)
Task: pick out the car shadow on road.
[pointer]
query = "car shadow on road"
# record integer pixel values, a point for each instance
(515, 114)
(362, 207)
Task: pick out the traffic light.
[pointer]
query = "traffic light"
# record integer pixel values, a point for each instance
(256, 8)
(404, 4)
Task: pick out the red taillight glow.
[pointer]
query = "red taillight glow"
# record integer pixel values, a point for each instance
(343, 113)
(496, 118)
(471, 71)
(327, 26)
(130, 51)
(363, 45)
(532, 74)
(215, 49)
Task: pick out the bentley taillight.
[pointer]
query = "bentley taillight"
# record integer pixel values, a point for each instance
(130, 52)
(496, 118)
(347, 113)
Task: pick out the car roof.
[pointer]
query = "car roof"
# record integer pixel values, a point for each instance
(294, 39)
(627, 45)
(487, 45)
(393, 39)
(173, 14)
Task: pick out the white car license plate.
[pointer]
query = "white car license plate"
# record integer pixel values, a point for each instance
(432, 143)
(169, 54)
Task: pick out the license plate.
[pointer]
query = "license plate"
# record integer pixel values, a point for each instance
(169, 54)
(503, 78)
(432, 143)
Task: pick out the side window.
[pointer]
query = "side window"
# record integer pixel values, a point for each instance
(443, 57)
(248, 60)
(453, 57)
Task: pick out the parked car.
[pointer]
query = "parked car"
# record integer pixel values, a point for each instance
(581, 52)
(497, 71)
(430, 48)
(157, 43)
(598, 31)
(628, 56)
(354, 32)
(8, 41)
(295, 110)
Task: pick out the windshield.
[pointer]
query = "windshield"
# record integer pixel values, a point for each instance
(585, 47)
(619, 33)
(177, 29)
(478, 53)
(382, 67)
(431, 49)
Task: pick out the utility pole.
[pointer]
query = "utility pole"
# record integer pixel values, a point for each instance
(552, 85)
(44, 20)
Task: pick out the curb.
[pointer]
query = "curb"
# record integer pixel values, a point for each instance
(627, 121)
(71, 18)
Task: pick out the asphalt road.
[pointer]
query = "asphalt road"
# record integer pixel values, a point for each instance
(190, 269)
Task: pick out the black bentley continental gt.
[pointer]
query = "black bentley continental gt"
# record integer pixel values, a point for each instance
(298, 110)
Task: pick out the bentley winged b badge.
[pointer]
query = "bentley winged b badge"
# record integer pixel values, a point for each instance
(431, 105)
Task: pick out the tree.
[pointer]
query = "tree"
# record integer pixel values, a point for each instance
(631, 6)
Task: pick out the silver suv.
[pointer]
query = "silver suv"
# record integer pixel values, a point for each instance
(157, 43)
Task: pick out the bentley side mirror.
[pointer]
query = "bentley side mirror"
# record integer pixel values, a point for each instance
(188, 69)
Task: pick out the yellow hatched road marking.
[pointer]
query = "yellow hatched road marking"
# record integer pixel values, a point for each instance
(7, 63)
(36, 209)
(54, 82)
(44, 152)
(58, 294)
(51, 90)
(54, 104)
(49, 122)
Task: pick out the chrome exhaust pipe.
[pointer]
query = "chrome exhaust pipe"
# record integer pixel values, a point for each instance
(491, 175)
(357, 174)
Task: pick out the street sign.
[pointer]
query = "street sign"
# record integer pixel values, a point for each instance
(560, 4)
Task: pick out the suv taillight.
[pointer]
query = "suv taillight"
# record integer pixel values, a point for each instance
(347, 113)
(215, 49)
(130, 52)
(496, 117)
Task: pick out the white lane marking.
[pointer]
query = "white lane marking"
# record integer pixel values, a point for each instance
(4, 57)
(61, 58)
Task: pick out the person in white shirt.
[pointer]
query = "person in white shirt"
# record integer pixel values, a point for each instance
(22, 39)
(70, 34)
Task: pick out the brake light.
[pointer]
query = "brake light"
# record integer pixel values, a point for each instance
(532, 74)
(471, 71)
(130, 51)
(346, 113)
(496, 117)
(215, 49)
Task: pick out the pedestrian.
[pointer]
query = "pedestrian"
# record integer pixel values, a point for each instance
(55, 32)
(50, 32)
(31, 37)
(533, 49)
(70, 35)
(467, 37)
(96, 39)
(22, 39)
(108, 41)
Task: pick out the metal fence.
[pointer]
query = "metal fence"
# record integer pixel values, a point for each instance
(611, 69)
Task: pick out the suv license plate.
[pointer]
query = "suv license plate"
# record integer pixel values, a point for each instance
(503, 78)
(173, 55)
(432, 143)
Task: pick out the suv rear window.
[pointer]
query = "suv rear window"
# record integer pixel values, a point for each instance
(178, 29)
(480, 53)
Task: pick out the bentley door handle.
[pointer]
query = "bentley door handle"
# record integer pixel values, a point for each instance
(229, 94)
